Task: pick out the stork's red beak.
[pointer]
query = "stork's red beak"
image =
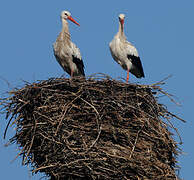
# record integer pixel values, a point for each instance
(71, 19)
(122, 21)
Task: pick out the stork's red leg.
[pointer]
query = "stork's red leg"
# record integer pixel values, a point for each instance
(127, 76)
(71, 73)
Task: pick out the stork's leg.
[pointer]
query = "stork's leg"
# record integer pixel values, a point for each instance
(71, 73)
(127, 75)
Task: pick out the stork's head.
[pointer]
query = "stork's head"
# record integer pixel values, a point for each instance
(67, 15)
(121, 18)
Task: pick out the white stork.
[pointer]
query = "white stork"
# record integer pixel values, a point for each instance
(65, 51)
(124, 53)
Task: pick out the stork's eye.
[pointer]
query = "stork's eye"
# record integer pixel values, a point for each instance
(66, 14)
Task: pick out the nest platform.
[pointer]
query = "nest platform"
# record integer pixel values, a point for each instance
(95, 128)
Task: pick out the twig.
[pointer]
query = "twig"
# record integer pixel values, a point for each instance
(34, 130)
(97, 120)
(19, 153)
(65, 111)
(44, 167)
(135, 142)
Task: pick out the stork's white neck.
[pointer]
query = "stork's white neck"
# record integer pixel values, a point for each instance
(121, 31)
(65, 29)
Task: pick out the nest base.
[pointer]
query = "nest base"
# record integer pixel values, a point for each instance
(93, 129)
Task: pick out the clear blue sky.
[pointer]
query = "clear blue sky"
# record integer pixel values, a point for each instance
(162, 31)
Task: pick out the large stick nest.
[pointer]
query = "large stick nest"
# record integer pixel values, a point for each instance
(93, 129)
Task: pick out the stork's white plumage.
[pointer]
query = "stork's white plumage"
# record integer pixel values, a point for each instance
(124, 53)
(65, 51)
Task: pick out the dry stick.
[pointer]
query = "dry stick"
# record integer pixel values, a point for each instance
(62, 118)
(19, 153)
(181, 142)
(135, 142)
(67, 145)
(26, 156)
(99, 76)
(169, 96)
(44, 167)
(76, 161)
(99, 127)
(154, 86)
(5, 132)
(48, 118)
(66, 108)
(176, 117)
(31, 142)
(15, 120)
(161, 81)
(50, 139)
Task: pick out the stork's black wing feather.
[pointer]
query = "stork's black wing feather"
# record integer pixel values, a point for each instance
(137, 63)
(80, 65)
